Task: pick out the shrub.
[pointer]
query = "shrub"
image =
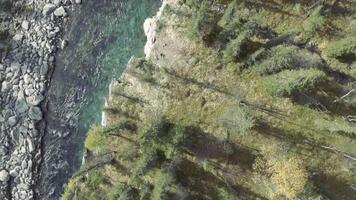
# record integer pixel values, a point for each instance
(121, 191)
(288, 176)
(225, 194)
(335, 126)
(237, 120)
(285, 57)
(206, 24)
(290, 81)
(164, 185)
(237, 48)
(96, 139)
(315, 22)
(342, 48)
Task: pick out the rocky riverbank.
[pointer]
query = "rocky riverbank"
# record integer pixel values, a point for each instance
(25, 71)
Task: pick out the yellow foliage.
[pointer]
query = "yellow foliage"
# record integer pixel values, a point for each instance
(289, 176)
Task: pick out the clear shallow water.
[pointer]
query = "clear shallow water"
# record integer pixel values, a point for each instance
(103, 35)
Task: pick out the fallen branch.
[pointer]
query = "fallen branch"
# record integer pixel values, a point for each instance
(346, 155)
(343, 97)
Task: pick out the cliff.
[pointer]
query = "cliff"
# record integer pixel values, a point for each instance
(234, 100)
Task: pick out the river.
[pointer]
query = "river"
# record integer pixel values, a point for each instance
(102, 36)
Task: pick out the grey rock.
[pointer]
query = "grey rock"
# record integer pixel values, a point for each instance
(31, 146)
(14, 172)
(48, 9)
(25, 25)
(35, 113)
(35, 99)
(4, 86)
(33, 133)
(15, 66)
(60, 12)
(18, 37)
(78, 1)
(64, 43)
(44, 70)
(12, 121)
(27, 78)
(4, 176)
(21, 106)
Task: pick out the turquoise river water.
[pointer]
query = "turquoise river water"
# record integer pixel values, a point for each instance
(102, 36)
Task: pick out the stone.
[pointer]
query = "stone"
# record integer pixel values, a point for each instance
(31, 146)
(18, 37)
(44, 70)
(15, 66)
(27, 78)
(35, 99)
(21, 106)
(48, 9)
(25, 25)
(60, 12)
(35, 113)
(4, 176)
(64, 43)
(14, 172)
(78, 1)
(12, 121)
(5, 86)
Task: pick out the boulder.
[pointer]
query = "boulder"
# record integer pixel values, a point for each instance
(35, 99)
(44, 70)
(60, 12)
(12, 121)
(25, 25)
(18, 37)
(4, 176)
(31, 145)
(21, 106)
(48, 9)
(5, 86)
(78, 1)
(35, 113)
(27, 78)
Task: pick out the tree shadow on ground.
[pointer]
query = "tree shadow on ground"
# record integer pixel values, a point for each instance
(206, 146)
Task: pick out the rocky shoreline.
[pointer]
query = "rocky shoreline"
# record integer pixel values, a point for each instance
(25, 73)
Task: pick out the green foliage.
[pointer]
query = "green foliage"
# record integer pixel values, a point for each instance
(237, 48)
(285, 57)
(145, 192)
(206, 24)
(121, 191)
(96, 139)
(316, 21)
(226, 194)
(335, 126)
(236, 120)
(345, 47)
(95, 178)
(290, 81)
(175, 142)
(164, 185)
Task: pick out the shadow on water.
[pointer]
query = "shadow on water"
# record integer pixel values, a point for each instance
(102, 36)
